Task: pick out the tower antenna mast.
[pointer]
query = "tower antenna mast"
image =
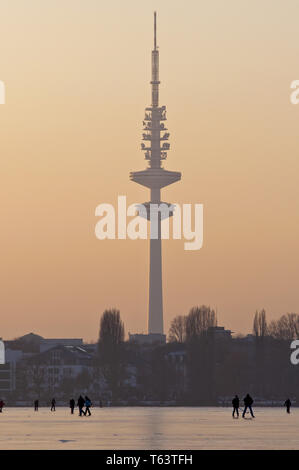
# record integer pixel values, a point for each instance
(155, 30)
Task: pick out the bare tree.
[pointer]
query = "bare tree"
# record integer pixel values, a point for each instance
(112, 330)
(260, 330)
(286, 327)
(199, 320)
(177, 330)
(260, 324)
(200, 353)
(110, 348)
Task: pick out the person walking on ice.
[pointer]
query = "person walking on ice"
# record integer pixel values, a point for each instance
(236, 406)
(53, 403)
(248, 401)
(288, 405)
(80, 405)
(88, 405)
(72, 405)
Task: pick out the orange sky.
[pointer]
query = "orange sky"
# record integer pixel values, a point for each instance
(77, 77)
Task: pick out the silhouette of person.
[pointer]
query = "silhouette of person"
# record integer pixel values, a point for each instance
(288, 405)
(101, 404)
(72, 405)
(35, 405)
(87, 405)
(236, 405)
(1, 405)
(248, 401)
(80, 405)
(53, 403)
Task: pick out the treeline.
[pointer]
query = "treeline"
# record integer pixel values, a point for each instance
(199, 319)
(285, 328)
(206, 366)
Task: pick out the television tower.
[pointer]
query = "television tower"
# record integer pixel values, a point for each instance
(155, 177)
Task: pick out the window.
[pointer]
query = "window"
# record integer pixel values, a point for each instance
(4, 375)
(4, 385)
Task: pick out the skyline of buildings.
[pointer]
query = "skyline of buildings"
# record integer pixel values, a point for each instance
(204, 372)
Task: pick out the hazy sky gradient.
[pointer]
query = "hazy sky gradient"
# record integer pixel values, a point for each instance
(77, 75)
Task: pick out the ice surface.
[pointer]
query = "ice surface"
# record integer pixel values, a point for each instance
(148, 428)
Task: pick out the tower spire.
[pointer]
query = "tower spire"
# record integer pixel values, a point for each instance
(155, 30)
(155, 67)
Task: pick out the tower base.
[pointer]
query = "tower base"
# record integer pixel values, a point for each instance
(150, 339)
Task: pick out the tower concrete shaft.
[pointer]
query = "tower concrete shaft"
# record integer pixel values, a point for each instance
(155, 307)
(155, 177)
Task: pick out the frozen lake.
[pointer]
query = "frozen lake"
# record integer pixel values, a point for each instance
(148, 428)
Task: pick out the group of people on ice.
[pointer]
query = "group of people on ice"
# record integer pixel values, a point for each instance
(81, 403)
(248, 402)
